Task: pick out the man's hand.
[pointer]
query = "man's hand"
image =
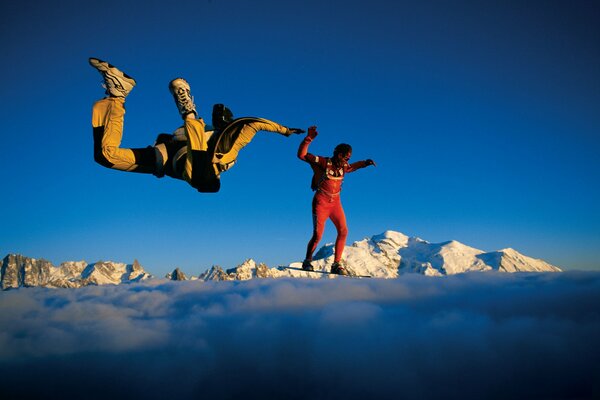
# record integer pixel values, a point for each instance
(370, 162)
(312, 132)
(296, 130)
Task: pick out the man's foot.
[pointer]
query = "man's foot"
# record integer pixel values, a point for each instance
(182, 95)
(307, 266)
(337, 268)
(116, 82)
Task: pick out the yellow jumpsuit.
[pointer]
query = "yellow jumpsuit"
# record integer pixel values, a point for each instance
(207, 154)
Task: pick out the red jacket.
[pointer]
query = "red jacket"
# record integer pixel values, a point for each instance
(328, 176)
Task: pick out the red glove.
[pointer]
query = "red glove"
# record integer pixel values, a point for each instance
(312, 132)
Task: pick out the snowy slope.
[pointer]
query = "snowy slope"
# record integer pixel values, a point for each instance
(387, 255)
(510, 260)
(390, 254)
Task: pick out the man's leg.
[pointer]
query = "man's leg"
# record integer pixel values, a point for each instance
(338, 218)
(320, 213)
(196, 141)
(199, 170)
(107, 123)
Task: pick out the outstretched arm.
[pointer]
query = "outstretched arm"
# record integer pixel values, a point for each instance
(261, 124)
(303, 153)
(240, 132)
(361, 164)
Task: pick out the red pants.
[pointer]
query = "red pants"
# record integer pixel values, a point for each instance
(323, 207)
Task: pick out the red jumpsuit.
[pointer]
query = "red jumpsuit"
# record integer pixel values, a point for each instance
(327, 184)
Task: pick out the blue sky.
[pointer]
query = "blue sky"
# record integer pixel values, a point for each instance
(483, 118)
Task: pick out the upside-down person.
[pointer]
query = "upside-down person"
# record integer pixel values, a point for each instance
(191, 153)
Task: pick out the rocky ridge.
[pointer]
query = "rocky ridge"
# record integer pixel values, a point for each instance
(20, 271)
(387, 255)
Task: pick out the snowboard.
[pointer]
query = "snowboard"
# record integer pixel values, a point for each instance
(350, 274)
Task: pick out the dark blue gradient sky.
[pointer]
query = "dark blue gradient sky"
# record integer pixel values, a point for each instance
(483, 118)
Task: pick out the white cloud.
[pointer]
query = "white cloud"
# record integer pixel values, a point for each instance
(489, 335)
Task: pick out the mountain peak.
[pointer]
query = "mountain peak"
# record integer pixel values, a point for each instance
(391, 253)
(20, 271)
(176, 275)
(510, 260)
(386, 255)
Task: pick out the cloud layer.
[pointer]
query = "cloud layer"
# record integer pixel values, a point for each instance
(470, 336)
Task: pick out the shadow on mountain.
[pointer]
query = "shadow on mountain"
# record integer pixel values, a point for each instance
(491, 259)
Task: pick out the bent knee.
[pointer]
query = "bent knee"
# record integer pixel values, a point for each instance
(104, 156)
(116, 158)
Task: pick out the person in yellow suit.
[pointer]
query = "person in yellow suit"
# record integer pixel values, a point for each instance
(191, 153)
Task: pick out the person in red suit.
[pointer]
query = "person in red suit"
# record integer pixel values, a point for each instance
(327, 183)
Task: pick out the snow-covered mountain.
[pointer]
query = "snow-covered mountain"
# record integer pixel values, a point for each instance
(19, 271)
(391, 254)
(387, 255)
(247, 270)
